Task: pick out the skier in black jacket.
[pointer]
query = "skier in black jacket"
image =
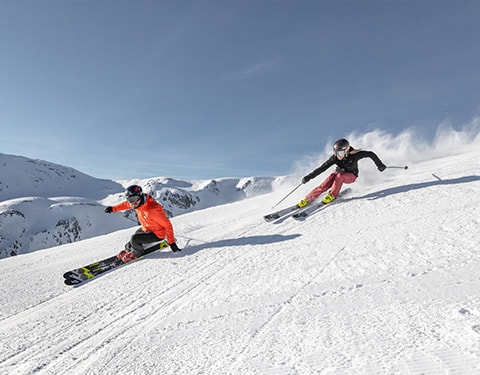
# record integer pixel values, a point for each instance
(346, 159)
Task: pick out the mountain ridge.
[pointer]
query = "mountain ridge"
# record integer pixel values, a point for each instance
(43, 204)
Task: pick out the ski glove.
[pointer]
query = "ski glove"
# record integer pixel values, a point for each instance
(306, 179)
(108, 209)
(174, 247)
(381, 167)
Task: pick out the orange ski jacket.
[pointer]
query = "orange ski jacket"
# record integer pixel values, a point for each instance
(152, 217)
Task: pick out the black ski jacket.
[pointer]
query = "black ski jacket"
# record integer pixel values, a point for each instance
(348, 163)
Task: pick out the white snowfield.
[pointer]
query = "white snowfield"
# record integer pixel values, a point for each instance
(385, 282)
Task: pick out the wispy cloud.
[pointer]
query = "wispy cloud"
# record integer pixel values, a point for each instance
(255, 69)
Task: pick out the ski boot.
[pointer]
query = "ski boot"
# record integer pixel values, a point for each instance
(328, 198)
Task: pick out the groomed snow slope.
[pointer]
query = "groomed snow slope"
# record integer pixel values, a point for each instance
(386, 282)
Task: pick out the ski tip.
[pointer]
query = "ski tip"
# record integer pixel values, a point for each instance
(71, 282)
(269, 218)
(69, 275)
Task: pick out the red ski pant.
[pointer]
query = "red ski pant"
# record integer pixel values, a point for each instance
(335, 182)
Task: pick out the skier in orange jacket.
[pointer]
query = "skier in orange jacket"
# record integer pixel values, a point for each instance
(155, 225)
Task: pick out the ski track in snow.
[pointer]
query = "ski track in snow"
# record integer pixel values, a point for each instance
(385, 282)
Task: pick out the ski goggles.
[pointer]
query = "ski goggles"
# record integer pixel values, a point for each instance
(341, 153)
(133, 199)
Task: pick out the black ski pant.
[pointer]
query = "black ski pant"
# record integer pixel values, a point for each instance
(139, 239)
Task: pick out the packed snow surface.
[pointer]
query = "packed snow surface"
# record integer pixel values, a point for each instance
(386, 281)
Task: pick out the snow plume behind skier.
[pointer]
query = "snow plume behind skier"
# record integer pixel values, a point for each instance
(155, 225)
(346, 159)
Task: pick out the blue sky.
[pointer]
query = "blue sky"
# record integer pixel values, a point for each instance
(209, 89)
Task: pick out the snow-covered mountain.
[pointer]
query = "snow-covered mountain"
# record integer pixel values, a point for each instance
(384, 282)
(43, 204)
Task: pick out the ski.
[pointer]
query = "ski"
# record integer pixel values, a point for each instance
(90, 271)
(278, 214)
(312, 208)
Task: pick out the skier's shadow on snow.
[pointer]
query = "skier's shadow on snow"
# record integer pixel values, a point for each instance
(421, 185)
(192, 246)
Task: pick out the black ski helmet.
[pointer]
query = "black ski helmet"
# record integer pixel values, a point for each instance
(341, 145)
(133, 190)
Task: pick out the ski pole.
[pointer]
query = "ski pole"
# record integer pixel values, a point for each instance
(285, 197)
(190, 238)
(394, 166)
(126, 217)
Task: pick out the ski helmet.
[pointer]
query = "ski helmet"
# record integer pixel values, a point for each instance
(133, 193)
(341, 145)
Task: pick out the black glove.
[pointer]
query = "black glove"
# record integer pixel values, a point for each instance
(174, 247)
(108, 209)
(381, 167)
(306, 179)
